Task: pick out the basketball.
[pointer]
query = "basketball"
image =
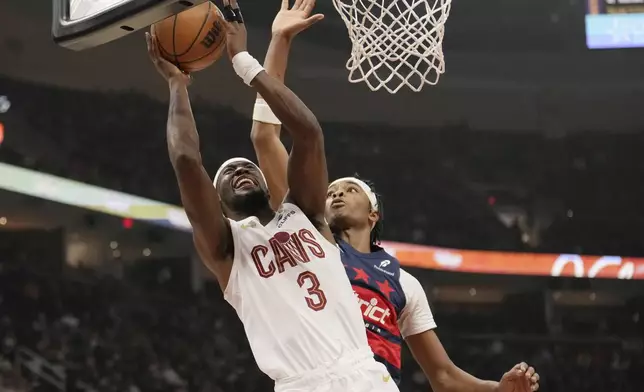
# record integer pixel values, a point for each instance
(193, 39)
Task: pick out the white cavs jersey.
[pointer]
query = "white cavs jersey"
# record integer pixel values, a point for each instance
(291, 292)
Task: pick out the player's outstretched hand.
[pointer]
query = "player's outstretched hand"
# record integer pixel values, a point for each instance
(290, 22)
(168, 70)
(521, 378)
(235, 28)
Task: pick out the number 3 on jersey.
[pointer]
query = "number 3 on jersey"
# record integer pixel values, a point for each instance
(316, 299)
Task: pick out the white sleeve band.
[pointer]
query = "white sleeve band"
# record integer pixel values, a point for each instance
(246, 66)
(263, 113)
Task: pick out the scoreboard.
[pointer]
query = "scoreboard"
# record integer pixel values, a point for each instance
(612, 24)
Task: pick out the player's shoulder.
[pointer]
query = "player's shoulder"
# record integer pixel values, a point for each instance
(388, 257)
(289, 212)
(417, 316)
(406, 275)
(289, 209)
(411, 286)
(238, 227)
(288, 204)
(291, 215)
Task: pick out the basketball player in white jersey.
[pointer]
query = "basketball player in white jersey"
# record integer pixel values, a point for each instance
(394, 303)
(280, 271)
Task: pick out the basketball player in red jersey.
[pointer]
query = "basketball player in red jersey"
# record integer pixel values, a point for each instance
(393, 303)
(281, 272)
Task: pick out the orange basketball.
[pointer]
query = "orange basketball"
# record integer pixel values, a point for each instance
(192, 39)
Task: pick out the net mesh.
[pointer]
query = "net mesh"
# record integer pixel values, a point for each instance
(395, 43)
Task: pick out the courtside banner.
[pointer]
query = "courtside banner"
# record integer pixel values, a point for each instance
(488, 262)
(74, 193)
(61, 190)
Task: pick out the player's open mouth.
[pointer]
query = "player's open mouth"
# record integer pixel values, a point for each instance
(337, 203)
(243, 182)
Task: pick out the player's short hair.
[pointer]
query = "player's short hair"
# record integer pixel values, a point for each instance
(378, 228)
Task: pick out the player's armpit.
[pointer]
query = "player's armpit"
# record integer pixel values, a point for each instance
(443, 374)
(307, 171)
(198, 195)
(215, 263)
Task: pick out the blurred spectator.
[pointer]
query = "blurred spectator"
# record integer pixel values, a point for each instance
(106, 336)
(445, 187)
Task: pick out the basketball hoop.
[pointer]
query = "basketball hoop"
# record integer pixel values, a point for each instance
(395, 43)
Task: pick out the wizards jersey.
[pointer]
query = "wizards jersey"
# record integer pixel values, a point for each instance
(375, 278)
(393, 302)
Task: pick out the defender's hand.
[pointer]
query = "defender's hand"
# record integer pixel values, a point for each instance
(521, 378)
(235, 28)
(168, 70)
(290, 22)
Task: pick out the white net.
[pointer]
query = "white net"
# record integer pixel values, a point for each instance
(395, 43)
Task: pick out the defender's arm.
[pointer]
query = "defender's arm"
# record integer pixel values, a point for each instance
(417, 326)
(271, 153)
(443, 374)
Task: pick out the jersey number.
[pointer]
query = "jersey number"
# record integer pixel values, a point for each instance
(316, 299)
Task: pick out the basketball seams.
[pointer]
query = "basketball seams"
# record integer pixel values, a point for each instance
(191, 29)
(159, 44)
(198, 35)
(214, 50)
(174, 40)
(200, 58)
(223, 42)
(165, 52)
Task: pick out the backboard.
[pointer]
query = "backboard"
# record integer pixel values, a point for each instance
(83, 24)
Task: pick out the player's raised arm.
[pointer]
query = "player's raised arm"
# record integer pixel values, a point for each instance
(307, 171)
(199, 197)
(417, 327)
(265, 134)
(445, 376)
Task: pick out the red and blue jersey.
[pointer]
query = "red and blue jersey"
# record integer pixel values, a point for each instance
(375, 278)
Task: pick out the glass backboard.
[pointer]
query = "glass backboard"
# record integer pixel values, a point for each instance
(83, 24)
(80, 9)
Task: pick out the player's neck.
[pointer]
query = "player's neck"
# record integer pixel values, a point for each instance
(359, 239)
(264, 215)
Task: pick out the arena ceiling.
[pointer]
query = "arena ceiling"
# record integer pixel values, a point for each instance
(511, 65)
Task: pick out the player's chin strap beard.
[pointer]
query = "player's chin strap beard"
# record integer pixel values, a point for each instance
(253, 203)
